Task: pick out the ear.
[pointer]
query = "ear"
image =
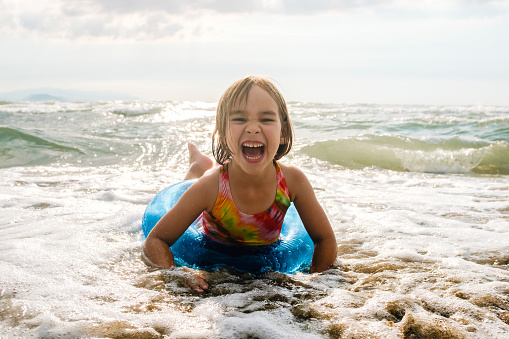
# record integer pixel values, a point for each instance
(283, 136)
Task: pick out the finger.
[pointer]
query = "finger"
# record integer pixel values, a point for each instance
(195, 283)
(201, 276)
(199, 284)
(194, 286)
(203, 284)
(195, 280)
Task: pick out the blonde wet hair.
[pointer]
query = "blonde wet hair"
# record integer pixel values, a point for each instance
(237, 93)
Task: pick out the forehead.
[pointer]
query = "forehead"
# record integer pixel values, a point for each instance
(256, 98)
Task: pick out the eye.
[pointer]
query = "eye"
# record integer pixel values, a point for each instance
(238, 119)
(267, 120)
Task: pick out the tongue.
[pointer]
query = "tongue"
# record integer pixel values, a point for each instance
(253, 152)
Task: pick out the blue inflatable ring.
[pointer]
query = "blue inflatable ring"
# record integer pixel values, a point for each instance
(292, 252)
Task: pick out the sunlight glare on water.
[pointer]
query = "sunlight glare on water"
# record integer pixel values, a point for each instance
(419, 209)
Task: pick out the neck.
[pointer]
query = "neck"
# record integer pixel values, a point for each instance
(240, 176)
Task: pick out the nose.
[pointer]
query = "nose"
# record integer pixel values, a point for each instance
(252, 128)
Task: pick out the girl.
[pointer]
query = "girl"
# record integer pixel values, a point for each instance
(253, 130)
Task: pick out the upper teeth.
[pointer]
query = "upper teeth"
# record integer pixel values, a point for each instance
(249, 144)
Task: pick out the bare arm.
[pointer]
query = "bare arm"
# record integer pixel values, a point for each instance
(314, 219)
(175, 222)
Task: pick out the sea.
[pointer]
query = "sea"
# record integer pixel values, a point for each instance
(418, 197)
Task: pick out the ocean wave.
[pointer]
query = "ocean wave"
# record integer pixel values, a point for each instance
(499, 133)
(20, 148)
(135, 109)
(168, 110)
(419, 122)
(397, 153)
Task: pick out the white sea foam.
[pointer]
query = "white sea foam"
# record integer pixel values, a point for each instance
(420, 254)
(443, 161)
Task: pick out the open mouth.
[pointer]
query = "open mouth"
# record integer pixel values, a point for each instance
(253, 150)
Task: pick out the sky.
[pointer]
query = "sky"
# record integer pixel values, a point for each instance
(432, 52)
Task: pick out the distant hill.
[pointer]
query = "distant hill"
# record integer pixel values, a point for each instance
(54, 94)
(44, 97)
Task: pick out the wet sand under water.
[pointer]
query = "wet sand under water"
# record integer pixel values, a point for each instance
(422, 227)
(361, 298)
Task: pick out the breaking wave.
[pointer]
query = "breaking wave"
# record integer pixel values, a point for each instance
(398, 153)
(19, 148)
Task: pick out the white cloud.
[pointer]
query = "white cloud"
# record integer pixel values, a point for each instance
(303, 7)
(353, 50)
(60, 20)
(134, 20)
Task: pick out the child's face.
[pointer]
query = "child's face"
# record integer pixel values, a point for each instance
(254, 132)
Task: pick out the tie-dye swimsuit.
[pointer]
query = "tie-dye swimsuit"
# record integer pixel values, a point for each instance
(227, 225)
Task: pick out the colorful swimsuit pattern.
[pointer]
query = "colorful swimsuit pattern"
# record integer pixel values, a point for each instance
(227, 225)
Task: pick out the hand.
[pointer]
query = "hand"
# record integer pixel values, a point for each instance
(193, 279)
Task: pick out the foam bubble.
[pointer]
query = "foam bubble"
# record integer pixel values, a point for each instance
(420, 254)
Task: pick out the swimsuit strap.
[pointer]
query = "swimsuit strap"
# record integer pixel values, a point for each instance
(282, 199)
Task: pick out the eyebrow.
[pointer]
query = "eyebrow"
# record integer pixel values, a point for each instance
(269, 113)
(262, 113)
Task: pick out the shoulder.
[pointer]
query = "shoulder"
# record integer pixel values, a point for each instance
(296, 180)
(206, 188)
(292, 173)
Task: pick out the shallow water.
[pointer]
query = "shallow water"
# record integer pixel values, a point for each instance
(417, 196)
